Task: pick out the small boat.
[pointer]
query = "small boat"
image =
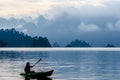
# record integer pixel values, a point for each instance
(37, 75)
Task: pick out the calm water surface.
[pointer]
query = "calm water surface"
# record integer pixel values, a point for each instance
(67, 65)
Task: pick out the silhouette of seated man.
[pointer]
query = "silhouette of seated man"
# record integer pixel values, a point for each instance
(28, 68)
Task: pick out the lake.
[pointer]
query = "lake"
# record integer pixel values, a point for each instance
(67, 65)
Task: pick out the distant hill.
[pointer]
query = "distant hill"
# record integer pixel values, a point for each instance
(56, 44)
(78, 43)
(13, 38)
(109, 45)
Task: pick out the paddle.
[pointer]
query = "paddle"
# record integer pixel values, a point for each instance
(37, 62)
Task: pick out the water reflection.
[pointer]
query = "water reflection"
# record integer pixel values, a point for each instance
(43, 78)
(13, 63)
(22, 55)
(67, 65)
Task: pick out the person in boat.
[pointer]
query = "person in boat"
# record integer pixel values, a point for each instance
(28, 68)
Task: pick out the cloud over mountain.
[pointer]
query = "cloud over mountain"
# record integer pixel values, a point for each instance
(65, 20)
(88, 28)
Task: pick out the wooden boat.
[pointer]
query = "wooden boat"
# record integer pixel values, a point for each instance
(37, 75)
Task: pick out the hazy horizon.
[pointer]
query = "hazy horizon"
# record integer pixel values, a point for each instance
(95, 21)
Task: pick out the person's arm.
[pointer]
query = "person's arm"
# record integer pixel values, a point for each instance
(31, 66)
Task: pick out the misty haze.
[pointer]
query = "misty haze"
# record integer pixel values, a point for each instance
(96, 22)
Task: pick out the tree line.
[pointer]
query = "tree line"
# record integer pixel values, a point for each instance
(13, 38)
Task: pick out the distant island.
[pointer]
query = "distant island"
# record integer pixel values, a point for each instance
(78, 43)
(109, 45)
(13, 38)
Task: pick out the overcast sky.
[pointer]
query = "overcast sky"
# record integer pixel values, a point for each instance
(96, 21)
(48, 7)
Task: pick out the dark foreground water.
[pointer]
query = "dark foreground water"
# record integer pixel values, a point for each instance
(67, 65)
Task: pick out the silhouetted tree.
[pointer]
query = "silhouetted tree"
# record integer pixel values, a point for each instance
(109, 45)
(14, 38)
(40, 42)
(3, 44)
(78, 43)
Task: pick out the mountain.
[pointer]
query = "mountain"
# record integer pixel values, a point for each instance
(65, 28)
(78, 43)
(109, 45)
(41, 21)
(56, 44)
(13, 38)
(3, 22)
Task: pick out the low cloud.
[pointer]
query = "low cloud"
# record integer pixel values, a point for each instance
(88, 27)
(117, 25)
(110, 26)
(61, 22)
(45, 7)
